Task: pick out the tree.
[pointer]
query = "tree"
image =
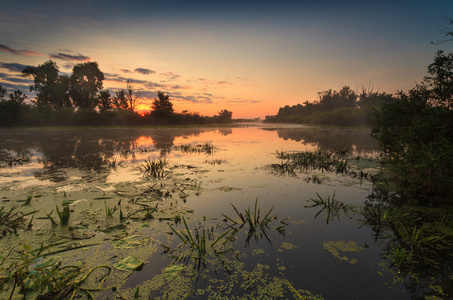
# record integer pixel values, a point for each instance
(120, 101)
(162, 107)
(18, 96)
(51, 88)
(415, 133)
(105, 101)
(225, 116)
(86, 81)
(131, 96)
(2, 93)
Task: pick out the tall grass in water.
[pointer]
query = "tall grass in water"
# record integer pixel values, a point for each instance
(154, 168)
(331, 205)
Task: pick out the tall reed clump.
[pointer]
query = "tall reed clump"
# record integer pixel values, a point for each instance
(257, 221)
(154, 168)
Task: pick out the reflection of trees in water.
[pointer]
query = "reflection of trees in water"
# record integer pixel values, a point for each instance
(86, 150)
(225, 131)
(330, 139)
(418, 242)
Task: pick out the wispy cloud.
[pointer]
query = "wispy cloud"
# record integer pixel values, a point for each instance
(18, 52)
(242, 101)
(170, 75)
(69, 57)
(14, 67)
(125, 71)
(144, 71)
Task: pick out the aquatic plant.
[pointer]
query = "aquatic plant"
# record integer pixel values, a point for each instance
(12, 219)
(205, 148)
(63, 215)
(109, 211)
(40, 273)
(257, 224)
(331, 205)
(154, 167)
(113, 163)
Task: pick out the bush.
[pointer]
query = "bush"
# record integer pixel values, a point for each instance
(415, 134)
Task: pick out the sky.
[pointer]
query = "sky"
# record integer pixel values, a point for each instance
(249, 57)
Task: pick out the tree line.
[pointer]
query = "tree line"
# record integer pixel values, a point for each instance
(79, 99)
(343, 107)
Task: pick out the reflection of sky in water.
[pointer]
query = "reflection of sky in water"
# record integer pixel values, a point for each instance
(246, 154)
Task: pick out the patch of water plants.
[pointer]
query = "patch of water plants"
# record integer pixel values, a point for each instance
(339, 161)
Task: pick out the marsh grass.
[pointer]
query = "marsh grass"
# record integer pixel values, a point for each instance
(205, 148)
(114, 164)
(325, 161)
(109, 211)
(154, 168)
(39, 273)
(12, 219)
(64, 214)
(257, 221)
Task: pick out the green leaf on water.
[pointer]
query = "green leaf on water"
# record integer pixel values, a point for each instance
(129, 263)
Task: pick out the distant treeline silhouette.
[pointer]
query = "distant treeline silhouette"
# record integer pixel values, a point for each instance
(344, 107)
(78, 99)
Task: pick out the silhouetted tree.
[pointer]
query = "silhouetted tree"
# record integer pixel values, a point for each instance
(105, 101)
(2, 93)
(86, 81)
(162, 107)
(225, 116)
(131, 96)
(51, 88)
(18, 96)
(120, 101)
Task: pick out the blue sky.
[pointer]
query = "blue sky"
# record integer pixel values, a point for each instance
(250, 57)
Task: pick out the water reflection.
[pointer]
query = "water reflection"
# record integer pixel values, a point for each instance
(331, 139)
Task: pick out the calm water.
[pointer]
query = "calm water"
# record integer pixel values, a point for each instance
(306, 251)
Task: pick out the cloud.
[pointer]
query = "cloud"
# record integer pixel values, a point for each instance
(69, 57)
(144, 71)
(170, 75)
(14, 67)
(125, 71)
(240, 101)
(18, 52)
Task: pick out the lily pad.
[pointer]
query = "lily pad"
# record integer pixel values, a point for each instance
(131, 241)
(129, 263)
(173, 271)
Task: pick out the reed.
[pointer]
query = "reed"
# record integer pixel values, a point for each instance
(154, 168)
(63, 215)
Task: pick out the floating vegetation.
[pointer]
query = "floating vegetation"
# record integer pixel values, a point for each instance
(335, 247)
(216, 162)
(154, 168)
(332, 206)
(128, 263)
(7, 160)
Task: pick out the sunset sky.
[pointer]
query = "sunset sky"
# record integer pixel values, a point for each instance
(250, 57)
